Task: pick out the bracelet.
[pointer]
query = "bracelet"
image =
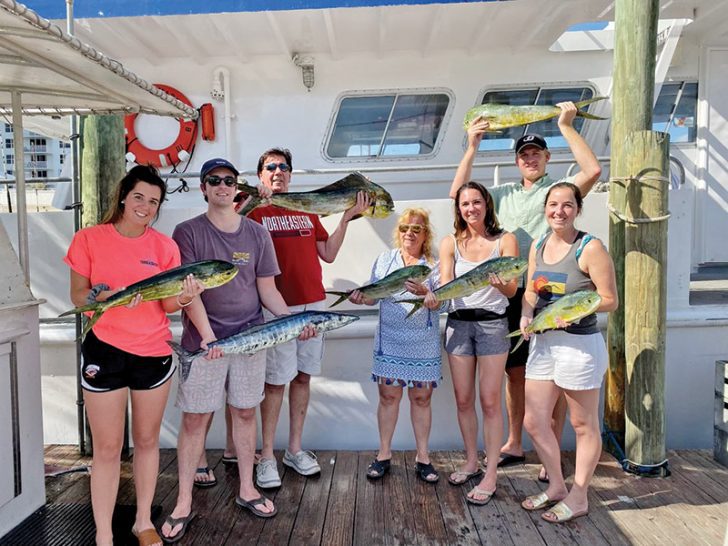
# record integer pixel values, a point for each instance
(183, 304)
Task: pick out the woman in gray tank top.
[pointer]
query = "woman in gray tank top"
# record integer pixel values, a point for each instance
(571, 359)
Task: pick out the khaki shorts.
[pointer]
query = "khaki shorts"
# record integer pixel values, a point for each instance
(573, 362)
(242, 376)
(284, 361)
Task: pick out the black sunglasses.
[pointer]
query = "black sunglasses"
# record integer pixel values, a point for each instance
(284, 167)
(213, 180)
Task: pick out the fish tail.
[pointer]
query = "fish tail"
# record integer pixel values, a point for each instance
(520, 341)
(583, 103)
(342, 297)
(185, 356)
(90, 321)
(416, 307)
(254, 201)
(82, 309)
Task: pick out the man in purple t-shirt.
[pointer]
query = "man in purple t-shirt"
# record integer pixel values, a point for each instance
(222, 234)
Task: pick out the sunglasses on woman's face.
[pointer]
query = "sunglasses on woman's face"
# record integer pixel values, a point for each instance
(416, 228)
(213, 180)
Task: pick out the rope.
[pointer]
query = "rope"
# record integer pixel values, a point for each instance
(632, 220)
(647, 470)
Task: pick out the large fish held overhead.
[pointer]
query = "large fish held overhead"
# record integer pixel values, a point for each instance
(503, 116)
(506, 267)
(336, 197)
(262, 336)
(211, 273)
(386, 286)
(570, 308)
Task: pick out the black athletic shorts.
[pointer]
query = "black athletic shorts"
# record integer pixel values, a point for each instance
(106, 368)
(514, 323)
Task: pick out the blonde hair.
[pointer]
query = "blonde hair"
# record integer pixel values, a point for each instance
(425, 215)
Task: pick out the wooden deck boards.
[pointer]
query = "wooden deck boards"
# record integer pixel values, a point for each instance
(341, 507)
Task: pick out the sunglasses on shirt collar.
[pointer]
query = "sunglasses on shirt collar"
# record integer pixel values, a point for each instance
(284, 167)
(213, 180)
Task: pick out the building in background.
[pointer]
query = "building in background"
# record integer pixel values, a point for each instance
(44, 156)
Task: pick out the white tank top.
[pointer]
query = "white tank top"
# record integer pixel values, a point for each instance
(488, 298)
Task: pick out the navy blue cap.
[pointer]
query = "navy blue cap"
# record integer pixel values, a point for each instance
(214, 163)
(531, 139)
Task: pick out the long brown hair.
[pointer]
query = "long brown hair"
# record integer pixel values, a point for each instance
(492, 227)
(140, 173)
(427, 245)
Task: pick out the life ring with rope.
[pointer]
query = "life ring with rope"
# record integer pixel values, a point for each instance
(164, 157)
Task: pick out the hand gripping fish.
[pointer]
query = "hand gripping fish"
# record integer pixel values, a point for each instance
(211, 273)
(262, 336)
(386, 286)
(570, 308)
(336, 197)
(506, 267)
(502, 116)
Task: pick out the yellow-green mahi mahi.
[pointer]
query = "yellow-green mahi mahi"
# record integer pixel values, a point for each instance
(386, 286)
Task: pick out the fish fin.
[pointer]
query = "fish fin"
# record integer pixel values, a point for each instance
(514, 333)
(254, 202)
(82, 309)
(517, 344)
(353, 180)
(342, 297)
(582, 103)
(185, 358)
(416, 307)
(90, 321)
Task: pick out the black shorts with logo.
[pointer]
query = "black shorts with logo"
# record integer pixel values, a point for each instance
(514, 323)
(106, 368)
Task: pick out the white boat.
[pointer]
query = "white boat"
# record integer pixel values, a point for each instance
(323, 82)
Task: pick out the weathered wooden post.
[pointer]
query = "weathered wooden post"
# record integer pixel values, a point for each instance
(647, 158)
(102, 164)
(632, 101)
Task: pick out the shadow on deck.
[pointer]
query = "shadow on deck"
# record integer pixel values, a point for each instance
(341, 507)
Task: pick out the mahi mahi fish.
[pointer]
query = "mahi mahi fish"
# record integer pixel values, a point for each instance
(502, 116)
(262, 336)
(506, 267)
(386, 286)
(570, 308)
(211, 273)
(336, 197)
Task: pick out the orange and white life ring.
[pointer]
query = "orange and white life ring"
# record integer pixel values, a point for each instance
(165, 157)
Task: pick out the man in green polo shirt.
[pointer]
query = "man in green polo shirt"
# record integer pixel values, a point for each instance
(520, 210)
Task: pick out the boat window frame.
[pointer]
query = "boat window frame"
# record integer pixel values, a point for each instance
(395, 91)
(682, 81)
(539, 86)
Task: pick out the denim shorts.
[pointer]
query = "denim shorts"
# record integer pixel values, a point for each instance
(476, 338)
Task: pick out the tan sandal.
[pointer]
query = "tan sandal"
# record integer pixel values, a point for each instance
(562, 513)
(147, 537)
(537, 502)
(480, 492)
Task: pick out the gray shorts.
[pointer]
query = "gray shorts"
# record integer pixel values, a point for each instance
(476, 338)
(284, 361)
(242, 376)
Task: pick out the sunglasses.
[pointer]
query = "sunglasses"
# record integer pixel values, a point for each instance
(416, 228)
(284, 167)
(213, 180)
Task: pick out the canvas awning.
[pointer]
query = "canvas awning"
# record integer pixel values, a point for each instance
(44, 71)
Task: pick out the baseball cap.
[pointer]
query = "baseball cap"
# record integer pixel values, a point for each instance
(214, 163)
(531, 139)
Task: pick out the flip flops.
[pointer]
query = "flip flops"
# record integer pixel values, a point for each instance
(229, 460)
(378, 469)
(174, 522)
(562, 513)
(425, 470)
(507, 459)
(205, 483)
(459, 477)
(252, 506)
(481, 492)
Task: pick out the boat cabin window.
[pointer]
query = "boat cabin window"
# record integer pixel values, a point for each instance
(540, 96)
(387, 126)
(675, 111)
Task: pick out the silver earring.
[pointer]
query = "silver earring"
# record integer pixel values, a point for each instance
(122, 201)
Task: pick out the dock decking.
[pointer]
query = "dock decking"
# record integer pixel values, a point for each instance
(341, 507)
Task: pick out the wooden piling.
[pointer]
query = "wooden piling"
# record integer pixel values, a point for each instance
(102, 164)
(647, 156)
(632, 102)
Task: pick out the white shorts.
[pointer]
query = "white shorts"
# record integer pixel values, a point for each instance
(284, 361)
(571, 361)
(242, 377)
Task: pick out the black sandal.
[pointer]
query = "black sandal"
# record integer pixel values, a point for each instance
(424, 470)
(378, 468)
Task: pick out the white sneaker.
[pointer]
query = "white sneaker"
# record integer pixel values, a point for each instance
(266, 474)
(303, 462)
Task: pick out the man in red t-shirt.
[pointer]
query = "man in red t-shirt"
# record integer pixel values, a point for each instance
(299, 240)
